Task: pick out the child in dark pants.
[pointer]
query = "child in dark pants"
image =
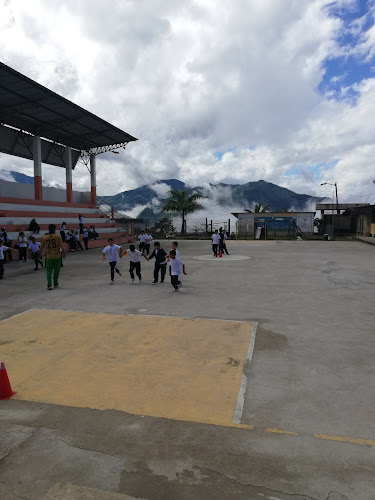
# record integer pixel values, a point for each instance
(160, 262)
(176, 266)
(112, 251)
(135, 262)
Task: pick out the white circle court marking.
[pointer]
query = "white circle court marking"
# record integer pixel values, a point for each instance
(223, 259)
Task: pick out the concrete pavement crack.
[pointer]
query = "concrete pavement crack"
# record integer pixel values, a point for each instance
(342, 497)
(20, 445)
(85, 449)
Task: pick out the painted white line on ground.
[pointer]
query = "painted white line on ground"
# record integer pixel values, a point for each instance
(241, 394)
(221, 259)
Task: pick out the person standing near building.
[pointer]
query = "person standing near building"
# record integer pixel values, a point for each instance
(113, 251)
(34, 249)
(22, 247)
(160, 256)
(142, 239)
(148, 239)
(215, 242)
(54, 246)
(80, 218)
(8, 243)
(62, 232)
(86, 237)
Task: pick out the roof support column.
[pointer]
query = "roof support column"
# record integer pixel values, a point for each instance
(37, 156)
(93, 178)
(68, 171)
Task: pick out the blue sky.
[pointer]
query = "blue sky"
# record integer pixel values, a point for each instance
(350, 68)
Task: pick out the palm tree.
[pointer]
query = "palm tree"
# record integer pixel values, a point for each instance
(180, 201)
(258, 208)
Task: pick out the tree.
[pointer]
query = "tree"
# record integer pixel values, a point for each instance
(180, 201)
(258, 208)
(163, 228)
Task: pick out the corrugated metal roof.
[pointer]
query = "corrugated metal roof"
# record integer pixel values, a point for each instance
(27, 105)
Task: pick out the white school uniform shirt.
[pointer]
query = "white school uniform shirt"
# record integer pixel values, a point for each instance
(148, 238)
(76, 236)
(176, 266)
(85, 233)
(81, 220)
(142, 238)
(68, 237)
(112, 253)
(62, 227)
(2, 250)
(134, 256)
(34, 247)
(215, 238)
(22, 242)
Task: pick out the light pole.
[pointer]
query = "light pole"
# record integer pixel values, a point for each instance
(337, 206)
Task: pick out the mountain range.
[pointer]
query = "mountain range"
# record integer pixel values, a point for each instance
(223, 195)
(150, 198)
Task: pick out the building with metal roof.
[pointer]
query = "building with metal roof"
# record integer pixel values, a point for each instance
(40, 125)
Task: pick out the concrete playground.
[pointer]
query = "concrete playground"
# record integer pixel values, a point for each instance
(255, 381)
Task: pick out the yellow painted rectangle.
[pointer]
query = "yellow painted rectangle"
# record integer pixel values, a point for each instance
(185, 369)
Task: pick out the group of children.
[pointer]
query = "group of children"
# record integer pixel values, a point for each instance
(145, 239)
(219, 242)
(114, 252)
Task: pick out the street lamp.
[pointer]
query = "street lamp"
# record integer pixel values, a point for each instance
(337, 206)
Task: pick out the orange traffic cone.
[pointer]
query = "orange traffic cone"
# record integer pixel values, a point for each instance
(220, 254)
(5, 388)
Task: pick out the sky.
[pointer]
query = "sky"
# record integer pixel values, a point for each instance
(232, 92)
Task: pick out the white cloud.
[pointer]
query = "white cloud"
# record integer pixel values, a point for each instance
(193, 78)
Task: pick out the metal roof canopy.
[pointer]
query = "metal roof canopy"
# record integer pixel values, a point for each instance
(29, 107)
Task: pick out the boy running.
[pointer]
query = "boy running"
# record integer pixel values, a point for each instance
(112, 251)
(34, 249)
(176, 265)
(135, 262)
(54, 248)
(142, 240)
(160, 262)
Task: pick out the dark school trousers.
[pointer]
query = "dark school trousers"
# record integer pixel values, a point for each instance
(1, 268)
(113, 269)
(214, 249)
(53, 268)
(80, 228)
(175, 280)
(22, 251)
(86, 242)
(63, 236)
(163, 270)
(137, 267)
(37, 259)
(147, 248)
(141, 246)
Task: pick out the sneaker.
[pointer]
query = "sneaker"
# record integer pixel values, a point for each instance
(55, 286)
(161, 281)
(49, 288)
(154, 282)
(139, 281)
(132, 281)
(35, 268)
(111, 282)
(118, 272)
(175, 290)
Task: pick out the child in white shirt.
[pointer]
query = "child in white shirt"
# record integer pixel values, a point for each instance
(34, 249)
(22, 247)
(176, 266)
(112, 251)
(135, 262)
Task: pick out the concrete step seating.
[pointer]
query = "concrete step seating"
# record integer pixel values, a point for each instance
(15, 216)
